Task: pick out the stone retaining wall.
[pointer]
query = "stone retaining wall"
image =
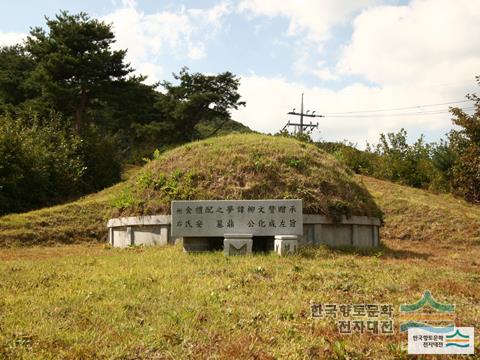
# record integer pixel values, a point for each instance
(358, 231)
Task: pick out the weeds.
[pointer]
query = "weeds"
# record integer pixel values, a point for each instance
(102, 303)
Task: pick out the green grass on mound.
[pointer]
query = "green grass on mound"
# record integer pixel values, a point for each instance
(80, 221)
(246, 166)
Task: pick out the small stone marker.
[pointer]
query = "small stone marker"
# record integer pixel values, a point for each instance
(237, 244)
(286, 244)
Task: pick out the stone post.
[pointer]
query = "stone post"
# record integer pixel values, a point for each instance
(375, 239)
(130, 238)
(237, 244)
(354, 235)
(286, 244)
(110, 236)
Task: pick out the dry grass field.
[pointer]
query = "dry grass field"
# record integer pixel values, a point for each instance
(86, 301)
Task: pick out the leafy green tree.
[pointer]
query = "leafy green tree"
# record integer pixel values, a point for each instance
(443, 159)
(465, 142)
(42, 162)
(75, 65)
(198, 98)
(15, 69)
(197, 106)
(399, 161)
(361, 162)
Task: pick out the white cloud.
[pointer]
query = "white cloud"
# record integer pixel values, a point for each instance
(196, 51)
(303, 66)
(314, 17)
(324, 73)
(11, 38)
(152, 70)
(424, 40)
(180, 34)
(214, 15)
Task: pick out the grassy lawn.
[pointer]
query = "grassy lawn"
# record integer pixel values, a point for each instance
(85, 301)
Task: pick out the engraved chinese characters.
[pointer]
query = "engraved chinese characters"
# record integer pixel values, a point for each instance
(256, 217)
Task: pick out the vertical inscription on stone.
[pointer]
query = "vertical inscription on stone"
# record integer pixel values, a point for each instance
(219, 217)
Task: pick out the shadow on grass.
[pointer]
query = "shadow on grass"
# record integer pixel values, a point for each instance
(382, 251)
(324, 251)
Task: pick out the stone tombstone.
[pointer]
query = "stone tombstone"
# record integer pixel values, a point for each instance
(205, 218)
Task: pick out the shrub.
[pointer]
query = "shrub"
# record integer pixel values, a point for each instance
(395, 160)
(43, 163)
(361, 162)
(39, 164)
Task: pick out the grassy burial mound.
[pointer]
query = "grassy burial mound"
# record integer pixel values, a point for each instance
(242, 166)
(419, 216)
(410, 215)
(233, 167)
(249, 166)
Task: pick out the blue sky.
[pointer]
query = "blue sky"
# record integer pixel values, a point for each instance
(346, 56)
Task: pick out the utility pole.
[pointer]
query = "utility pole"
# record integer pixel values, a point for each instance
(301, 126)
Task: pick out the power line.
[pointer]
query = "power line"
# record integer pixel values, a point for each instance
(399, 108)
(428, 112)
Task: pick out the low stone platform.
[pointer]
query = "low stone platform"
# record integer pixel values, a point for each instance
(357, 231)
(139, 230)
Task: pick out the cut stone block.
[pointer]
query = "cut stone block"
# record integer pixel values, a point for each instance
(286, 244)
(237, 244)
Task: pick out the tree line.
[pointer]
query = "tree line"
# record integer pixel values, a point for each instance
(450, 165)
(72, 111)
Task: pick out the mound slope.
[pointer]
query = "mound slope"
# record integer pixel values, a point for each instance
(411, 216)
(246, 167)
